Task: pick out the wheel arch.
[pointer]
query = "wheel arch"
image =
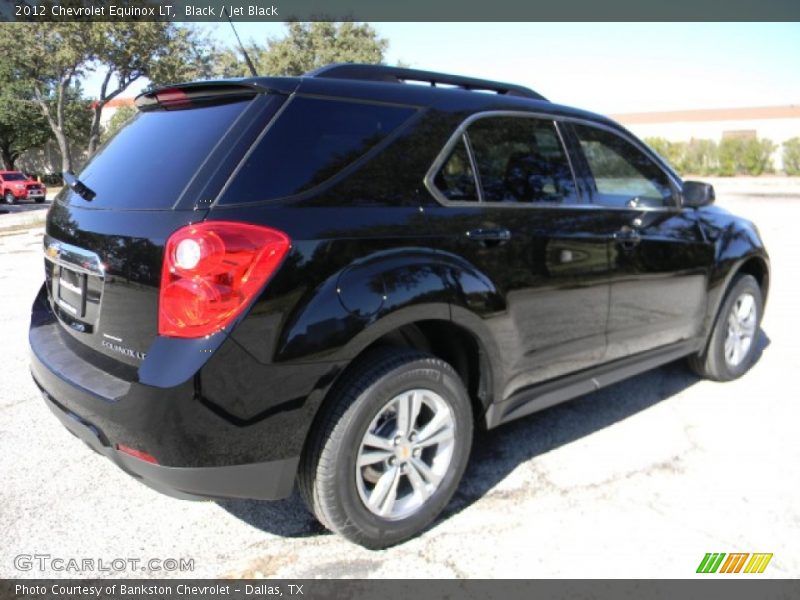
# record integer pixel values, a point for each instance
(755, 264)
(438, 335)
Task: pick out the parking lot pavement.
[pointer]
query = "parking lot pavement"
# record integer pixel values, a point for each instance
(640, 479)
(21, 207)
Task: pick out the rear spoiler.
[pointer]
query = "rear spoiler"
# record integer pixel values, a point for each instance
(188, 95)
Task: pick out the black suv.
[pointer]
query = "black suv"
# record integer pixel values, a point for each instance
(334, 278)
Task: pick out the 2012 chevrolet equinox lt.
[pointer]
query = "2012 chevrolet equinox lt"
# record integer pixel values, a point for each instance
(333, 279)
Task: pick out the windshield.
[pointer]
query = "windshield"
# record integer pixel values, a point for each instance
(14, 177)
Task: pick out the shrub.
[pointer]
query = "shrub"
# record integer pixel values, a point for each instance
(791, 156)
(745, 156)
(672, 152)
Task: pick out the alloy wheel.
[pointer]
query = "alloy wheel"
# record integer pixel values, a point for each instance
(742, 322)
(405, 453)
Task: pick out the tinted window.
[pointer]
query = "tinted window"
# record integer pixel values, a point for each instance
(152, 158)
(455, 180)
(13, 177)
(311, 140)
(520, 159)
(623, 175)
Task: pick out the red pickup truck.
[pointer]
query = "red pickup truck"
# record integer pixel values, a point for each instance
(15, 185)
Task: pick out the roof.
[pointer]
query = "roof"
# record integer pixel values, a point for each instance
(378, 83)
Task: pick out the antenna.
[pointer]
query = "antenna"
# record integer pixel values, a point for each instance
(241, 47)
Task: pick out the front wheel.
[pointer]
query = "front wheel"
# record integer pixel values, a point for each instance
(732, 348)
(390, 448)
(9, 197)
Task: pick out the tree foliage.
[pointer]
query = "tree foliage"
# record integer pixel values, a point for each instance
(306, 46)
(39, 91)
(732, 156)
(48, 58)
(745, 156)
(22, 125)
(791, 156)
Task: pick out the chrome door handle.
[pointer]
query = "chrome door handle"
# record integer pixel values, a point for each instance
(489, 235)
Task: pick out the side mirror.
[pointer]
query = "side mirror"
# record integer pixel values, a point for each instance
(697, 194)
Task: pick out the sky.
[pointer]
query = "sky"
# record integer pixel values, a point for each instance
(609, 68)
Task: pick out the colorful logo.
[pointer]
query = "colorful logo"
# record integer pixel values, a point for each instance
(734, 562)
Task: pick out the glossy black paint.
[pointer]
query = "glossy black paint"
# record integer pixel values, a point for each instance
(534, 294)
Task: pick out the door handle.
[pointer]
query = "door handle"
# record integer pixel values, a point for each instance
(489, 235)
(627, 237)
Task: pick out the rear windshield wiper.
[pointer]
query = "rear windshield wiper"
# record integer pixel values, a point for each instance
(78, 186)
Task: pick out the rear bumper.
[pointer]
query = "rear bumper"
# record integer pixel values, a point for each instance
(201, 452)
(270, 480)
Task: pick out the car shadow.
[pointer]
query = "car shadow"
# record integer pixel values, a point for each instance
(498, 452)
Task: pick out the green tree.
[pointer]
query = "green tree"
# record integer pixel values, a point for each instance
(745, 156)
(791, 156)
(48, 58)
(22, 125)
(699, 157)
(306, 46)
(672, 152)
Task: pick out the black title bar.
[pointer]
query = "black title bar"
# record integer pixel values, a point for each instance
(407, 10)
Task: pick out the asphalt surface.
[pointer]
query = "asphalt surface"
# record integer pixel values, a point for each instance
(640, 479)
(22, 206)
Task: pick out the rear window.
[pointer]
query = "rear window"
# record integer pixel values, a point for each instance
(312, 140)
(151, 160)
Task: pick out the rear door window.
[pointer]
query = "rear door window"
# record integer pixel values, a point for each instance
(152, 159)
(310, 141)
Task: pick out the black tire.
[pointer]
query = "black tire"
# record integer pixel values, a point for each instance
(10, 199)
(328, 474)
(712, 363)
(39, 200)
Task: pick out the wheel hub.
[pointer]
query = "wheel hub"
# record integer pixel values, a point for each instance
(405, 453)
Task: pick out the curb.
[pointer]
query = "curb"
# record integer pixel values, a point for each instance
(19, 222)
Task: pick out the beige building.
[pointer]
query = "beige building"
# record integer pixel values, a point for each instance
(776, 123)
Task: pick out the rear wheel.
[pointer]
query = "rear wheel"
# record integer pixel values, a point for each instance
(39, 199)
(10, 199)
(390, 449)
(733, 344)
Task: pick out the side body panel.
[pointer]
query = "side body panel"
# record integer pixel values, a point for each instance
(542, 295)
(658, 284)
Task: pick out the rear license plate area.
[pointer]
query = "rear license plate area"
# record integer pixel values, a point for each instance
(70, 288)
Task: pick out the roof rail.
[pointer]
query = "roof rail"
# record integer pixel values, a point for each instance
(402, 75)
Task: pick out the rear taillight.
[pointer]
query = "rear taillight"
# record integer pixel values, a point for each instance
(212, 271)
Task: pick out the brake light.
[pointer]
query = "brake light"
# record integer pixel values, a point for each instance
(212, 271)
(173, 99)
